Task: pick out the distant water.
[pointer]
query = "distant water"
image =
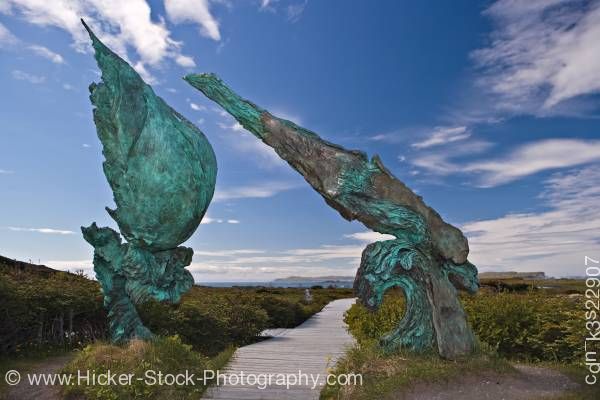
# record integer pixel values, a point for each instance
(284, 284)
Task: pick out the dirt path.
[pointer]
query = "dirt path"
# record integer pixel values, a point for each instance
(528, 383)
(25, 391)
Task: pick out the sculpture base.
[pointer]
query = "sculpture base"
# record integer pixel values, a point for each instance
(434, 317)
(131, 275)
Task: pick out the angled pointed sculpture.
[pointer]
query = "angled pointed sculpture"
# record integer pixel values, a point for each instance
(428, 258)
(162, 172)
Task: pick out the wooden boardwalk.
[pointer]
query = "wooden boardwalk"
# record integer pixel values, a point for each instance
(303, 353)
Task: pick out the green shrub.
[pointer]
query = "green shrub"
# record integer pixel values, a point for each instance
(210, 325)
(48, 311)
(534, 326)
(367, 326)
(167, 355)
(42, 312)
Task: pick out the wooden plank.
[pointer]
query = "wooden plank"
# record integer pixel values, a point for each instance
(310, 349)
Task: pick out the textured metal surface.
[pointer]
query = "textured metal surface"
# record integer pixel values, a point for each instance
(428, 258)
(162, 172)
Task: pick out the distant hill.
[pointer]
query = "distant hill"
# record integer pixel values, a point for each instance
(8, 263)
(512, 275)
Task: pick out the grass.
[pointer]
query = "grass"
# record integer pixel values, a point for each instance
(164, 355)
(387, 374)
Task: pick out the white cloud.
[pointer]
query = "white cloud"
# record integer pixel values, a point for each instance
(86, 146)
(541, 53)
(554, 241)
(185, 61)
(227, 253)
(259, 191)
(5, 172)
(24, 76)
(196, 11)
(286, 115)
(442, 135)
(253, 264)
(6, 37)
(245, 142)
(197, 107)
(41, 230)
(536, 157)
(73, 265)
(443, 161)
(47, 53)
(295, 11)
(300, 256)
(68, 86)
(235, 126)
(208, 220)
(121, 25)
(370, 236)
(527, 159)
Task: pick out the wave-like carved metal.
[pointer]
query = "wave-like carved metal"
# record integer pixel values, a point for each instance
(162, 172)
(428, 258)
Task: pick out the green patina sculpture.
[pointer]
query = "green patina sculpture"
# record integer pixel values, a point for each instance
(428, 258)
(162, 172)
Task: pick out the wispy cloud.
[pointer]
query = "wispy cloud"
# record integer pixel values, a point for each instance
(196, 11)
(525, 160)
(258, 191)
(228, 253)
(369, 236)
(6, 37)
(535, 157)
(265, 3)
(554, 241)
(209, 220)
(447, 160)
(119, 27)
(24, 76)
(256, 264)
(541, 53)
(443, 135)
(245, 142)
(197, 107)
(294, 11)
(47, 53)
(5, 172)
(49, 231)
(185, 61)
(86, 265)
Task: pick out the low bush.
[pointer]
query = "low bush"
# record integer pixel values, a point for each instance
(532, 326)
(167, 355)
(45, 311)
(41, 311)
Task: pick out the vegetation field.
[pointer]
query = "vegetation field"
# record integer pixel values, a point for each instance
(516, 321)
(44, 313)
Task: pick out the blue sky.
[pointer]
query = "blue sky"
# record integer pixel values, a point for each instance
(489, 110)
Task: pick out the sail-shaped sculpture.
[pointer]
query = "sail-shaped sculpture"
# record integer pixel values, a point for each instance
(428, 258)
(162, 172)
